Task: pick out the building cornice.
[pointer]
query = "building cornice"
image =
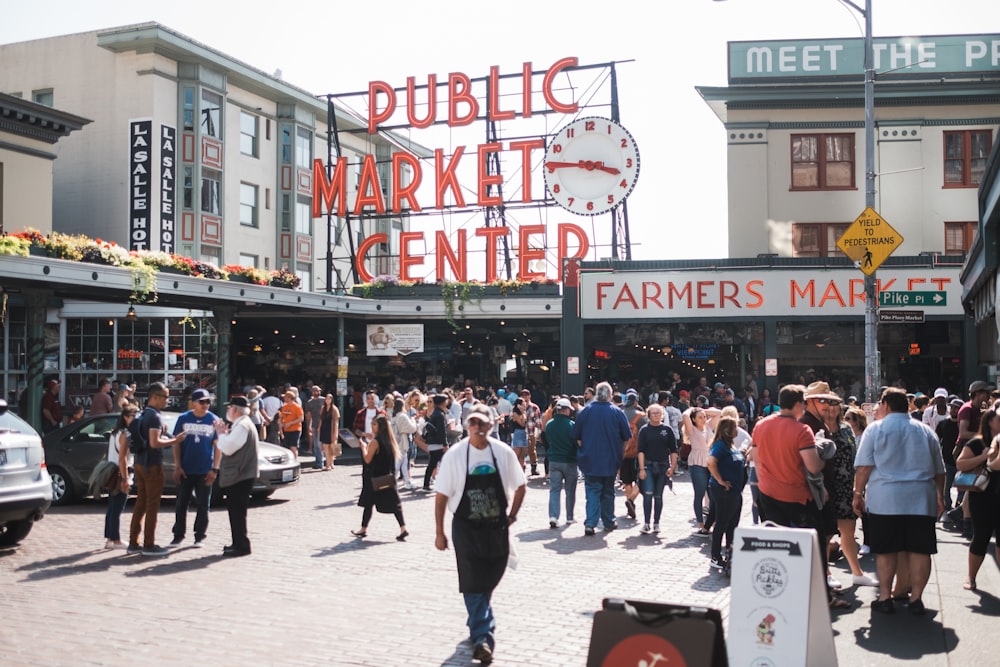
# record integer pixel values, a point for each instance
(36, 121)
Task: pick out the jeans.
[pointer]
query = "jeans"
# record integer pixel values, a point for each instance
(562, 474)
(113, 517)
(403, 466)
(652, 490)
(728, 505)
(797, 515)
(237, 502)
(600, 493)
(949, 480)
(699, 480)
(148, 492)
(481, 622)
(317, 447)
(202, 502)
(433, 459)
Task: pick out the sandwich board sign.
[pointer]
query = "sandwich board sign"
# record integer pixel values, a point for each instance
(778, 612)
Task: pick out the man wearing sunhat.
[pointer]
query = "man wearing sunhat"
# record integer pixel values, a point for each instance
(236, 462)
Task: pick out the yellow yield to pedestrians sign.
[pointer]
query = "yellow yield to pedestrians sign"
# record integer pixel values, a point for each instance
(869, 241)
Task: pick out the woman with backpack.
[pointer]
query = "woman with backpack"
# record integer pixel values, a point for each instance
(118, 453)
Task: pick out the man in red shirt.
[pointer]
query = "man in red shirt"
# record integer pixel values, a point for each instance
(783, 449)
(52, 415)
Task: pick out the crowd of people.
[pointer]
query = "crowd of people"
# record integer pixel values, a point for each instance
(809, 459)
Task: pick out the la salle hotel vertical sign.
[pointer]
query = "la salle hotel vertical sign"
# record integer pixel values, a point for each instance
(151, 189)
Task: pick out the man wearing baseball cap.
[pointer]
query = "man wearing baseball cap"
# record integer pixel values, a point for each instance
(561, 454)
(236, 462)
(937, 411)
(194, 466)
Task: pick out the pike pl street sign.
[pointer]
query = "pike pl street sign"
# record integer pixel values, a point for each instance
(897, 299)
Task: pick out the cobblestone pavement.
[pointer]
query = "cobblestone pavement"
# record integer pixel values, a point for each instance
(313, 594)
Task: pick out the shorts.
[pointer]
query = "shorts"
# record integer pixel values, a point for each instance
(627, 472)
(892, 533)
(290, 439)
(519, 438)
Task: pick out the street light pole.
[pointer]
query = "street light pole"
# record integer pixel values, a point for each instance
(872, 379)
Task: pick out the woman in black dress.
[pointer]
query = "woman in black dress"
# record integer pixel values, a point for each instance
(379, 458)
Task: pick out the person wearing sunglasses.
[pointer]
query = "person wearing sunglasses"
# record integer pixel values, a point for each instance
(194, 470)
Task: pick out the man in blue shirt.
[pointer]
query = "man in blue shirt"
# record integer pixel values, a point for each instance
(602, 431)
(899, 484)
(194, 469)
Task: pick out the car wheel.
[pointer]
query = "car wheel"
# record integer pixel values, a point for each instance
(62, 488)
(14, 531)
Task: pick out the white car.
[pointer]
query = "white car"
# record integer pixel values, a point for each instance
(25, 487)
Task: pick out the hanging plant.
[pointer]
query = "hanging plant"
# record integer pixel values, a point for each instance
(464, 293)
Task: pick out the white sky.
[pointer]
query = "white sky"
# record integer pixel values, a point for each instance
(678, 208)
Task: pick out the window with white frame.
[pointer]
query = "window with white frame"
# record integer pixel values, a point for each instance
(249, 125)
(249, 260)
(211, 191)
(44, 96)
(303, 148)
(211, 114)
(303, 216)
(248, 205)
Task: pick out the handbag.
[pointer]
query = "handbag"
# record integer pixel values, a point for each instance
(384, 482)
(973, 480)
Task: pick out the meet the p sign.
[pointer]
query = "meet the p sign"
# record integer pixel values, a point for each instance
(869, 241)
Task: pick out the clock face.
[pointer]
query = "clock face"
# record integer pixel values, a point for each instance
(591, 166)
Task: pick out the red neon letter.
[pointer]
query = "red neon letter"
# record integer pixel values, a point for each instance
(327, 192)
(405, 259)
(526, 147)
(460, 90)
(525, 253)
(526, 89)
(374, 116)
(443, 251)
(491, 234)
(363, 248)
(411, 103)
(565, 230)
(493, 106)
(486, 179)
(369, 180)
(550, 98)
(447, 179)
(399, 192)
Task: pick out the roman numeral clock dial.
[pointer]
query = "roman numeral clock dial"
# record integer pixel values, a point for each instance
(591, 166)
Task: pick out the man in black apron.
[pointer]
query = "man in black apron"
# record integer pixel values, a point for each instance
(474, 481)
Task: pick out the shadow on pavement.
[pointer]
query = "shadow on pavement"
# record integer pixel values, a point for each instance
(166, 566)
(354, 544)
(567, 544)
(989, 604)
(905, 636)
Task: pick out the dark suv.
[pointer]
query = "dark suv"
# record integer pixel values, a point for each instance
(25, 487)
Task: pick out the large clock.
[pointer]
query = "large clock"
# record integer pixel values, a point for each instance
(591, 166)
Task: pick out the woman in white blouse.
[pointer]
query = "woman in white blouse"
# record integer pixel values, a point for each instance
(699, 427)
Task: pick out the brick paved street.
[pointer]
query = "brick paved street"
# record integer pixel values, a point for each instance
(313, 594)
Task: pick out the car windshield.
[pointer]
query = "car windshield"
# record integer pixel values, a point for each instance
(11, 423)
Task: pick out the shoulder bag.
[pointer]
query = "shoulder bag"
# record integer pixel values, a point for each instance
(973, 480)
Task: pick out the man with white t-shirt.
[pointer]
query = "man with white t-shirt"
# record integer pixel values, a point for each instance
(481, 482)
(363, 419)
(270, 405)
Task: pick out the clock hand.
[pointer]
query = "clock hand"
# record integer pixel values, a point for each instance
(589, 165)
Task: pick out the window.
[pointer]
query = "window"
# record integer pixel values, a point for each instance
(286, 213)
(965, 155)
(249, 260)
(211, 255)
(248, 205)
(958, 237)
(248, 134)
(817, 239)
(43, 97)
(188, 188)
(303, 216)
(822, 161)
(211, 114)
(210, 191)
(189, 109)
(286, 144)
(303, 148)
(305, 276)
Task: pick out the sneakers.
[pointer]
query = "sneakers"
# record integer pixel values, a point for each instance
(656, 527)
(176, 542)
(110, 544)
(864, 580)
(864, 550)
(717, 564)
(833, 583)
(155, 550)
(588, 531)
(553, 522)
(483, 653)
(645, 530)
(199, 543)
(133, 549)
(609, 528)
(630, 508)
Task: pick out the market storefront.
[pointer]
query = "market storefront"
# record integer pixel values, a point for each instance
(782, 320)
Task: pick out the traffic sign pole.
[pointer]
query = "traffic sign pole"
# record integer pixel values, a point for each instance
(872, 379)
